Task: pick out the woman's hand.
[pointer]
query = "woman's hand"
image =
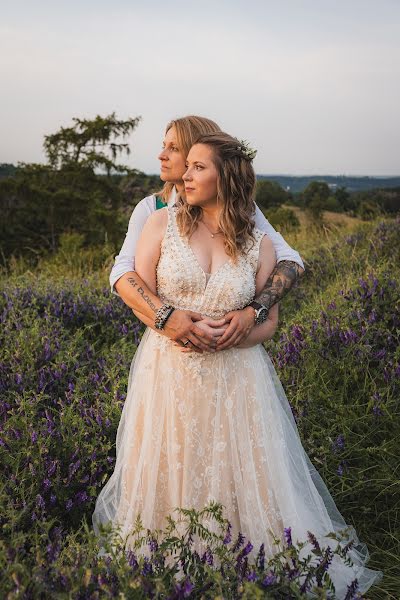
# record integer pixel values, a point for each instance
(212, 329)
(241, 322)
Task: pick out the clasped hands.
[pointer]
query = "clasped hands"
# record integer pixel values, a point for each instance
(201, 333)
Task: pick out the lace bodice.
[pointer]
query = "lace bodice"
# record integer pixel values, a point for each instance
(182, 282)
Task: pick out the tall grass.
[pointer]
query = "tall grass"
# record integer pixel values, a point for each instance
(65, 354)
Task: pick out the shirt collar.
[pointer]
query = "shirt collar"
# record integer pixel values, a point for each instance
(172, 197)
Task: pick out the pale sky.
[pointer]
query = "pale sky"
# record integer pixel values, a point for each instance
(314, 85)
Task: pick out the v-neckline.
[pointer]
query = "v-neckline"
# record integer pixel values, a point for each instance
(210, 275)
(206, 276)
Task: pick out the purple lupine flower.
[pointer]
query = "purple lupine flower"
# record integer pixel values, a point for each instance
(147, 567)
(293, 573)
(252, 576)
(186, 588)
(327, 559)
(270, 579)
(351, 590)
(247, 549)
(239, 542)
(380, 354)
(46, 484)
(313, 541)
(260, 561)
(288, 535)
(338, 444)
(347, 547)
(69, 504)
(209, 557)
(131, 558)
(52, 467)
(228, 535)
(81, 497)
(34, 437)
(40, 503)
(153, 545)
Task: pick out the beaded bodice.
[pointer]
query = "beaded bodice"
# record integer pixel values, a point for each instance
(182, 282)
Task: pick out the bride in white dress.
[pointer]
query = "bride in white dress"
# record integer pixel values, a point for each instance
(216, 426)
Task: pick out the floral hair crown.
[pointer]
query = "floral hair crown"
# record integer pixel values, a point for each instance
(245, 148)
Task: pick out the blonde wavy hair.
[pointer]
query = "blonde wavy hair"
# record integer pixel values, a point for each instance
(236, 181)
(188, 129)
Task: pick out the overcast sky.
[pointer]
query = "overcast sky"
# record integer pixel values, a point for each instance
(314, 85)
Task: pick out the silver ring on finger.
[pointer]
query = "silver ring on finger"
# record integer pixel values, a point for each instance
(186, 343)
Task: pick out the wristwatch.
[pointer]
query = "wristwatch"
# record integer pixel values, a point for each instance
(261, 312)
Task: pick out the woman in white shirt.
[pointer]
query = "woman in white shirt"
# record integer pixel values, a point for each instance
(186, 327)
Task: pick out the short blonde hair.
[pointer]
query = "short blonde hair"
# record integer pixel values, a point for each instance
(188, 129)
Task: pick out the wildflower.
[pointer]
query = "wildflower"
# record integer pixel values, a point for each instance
(260, 560)
(147, 567)
(269, 580)
(239, 542)
(186, 588)
(228, 535)
(338, 444)
(252, 576)
(46, 484)
(247, 549)
(351, 590)
(288, 535)
(153, 545)
(40, 503)
(314, 541)
(131, 558)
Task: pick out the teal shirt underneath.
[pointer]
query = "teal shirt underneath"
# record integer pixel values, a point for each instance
(159, 203)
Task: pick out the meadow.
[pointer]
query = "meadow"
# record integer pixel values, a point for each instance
(66, 347)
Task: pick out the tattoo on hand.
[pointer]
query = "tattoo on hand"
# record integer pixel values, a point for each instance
(279, 283)
(141, 291)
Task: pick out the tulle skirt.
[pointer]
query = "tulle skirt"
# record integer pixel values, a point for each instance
(218, 426)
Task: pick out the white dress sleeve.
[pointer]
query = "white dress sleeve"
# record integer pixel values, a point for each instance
(125, 260)
(282, 248)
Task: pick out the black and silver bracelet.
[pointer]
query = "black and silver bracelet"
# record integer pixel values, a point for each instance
(162, 315)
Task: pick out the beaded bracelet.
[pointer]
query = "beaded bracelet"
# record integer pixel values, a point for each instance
(162, 315)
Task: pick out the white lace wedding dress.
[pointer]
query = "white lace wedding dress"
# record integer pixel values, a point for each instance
(197, 427)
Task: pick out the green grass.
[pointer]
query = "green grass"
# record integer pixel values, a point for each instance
(337, 353)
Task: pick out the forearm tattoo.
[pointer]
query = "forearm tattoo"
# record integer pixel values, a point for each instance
(141, 291)
(279, 283)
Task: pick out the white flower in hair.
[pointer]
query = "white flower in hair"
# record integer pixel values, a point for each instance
(247, 150)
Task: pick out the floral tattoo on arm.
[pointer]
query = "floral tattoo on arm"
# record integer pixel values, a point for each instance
(279, 283)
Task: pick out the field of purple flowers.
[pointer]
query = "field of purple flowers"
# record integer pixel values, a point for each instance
(66, 347)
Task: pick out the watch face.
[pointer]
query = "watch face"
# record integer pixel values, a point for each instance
(262, 315)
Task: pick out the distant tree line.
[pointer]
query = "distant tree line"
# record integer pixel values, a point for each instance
(318, 196)
(83, 189)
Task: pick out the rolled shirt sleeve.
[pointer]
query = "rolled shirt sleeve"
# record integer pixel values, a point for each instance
(282, 248)
(125, 260)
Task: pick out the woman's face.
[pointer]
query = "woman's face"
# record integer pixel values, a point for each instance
(172, 159)
(201, 176)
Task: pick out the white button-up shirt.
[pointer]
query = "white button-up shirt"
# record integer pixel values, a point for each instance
(125, 260)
